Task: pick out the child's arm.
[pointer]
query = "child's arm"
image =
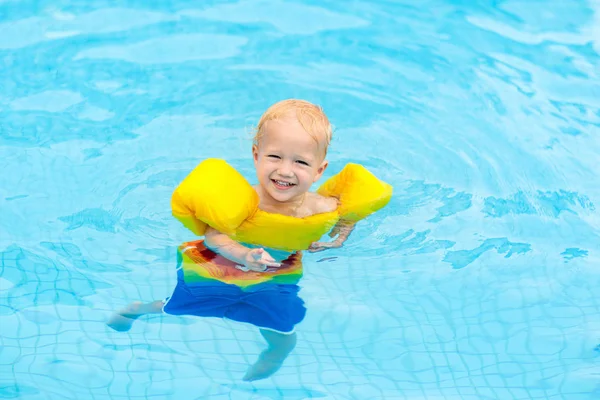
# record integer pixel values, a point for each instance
(343, 229)
(253, 259)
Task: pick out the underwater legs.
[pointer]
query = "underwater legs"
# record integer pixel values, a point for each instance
(279, 346)
(123, 319)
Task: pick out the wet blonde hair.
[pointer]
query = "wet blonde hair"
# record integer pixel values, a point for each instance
(310, 116)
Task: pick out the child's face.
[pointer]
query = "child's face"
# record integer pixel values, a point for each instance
(288, 160)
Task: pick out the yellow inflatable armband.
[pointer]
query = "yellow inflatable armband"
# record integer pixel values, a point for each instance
(215, 194)
(359, 192)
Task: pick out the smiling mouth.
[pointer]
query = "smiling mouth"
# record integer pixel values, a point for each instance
(282, 184)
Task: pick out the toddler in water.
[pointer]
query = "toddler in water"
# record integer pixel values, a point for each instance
(289, 153)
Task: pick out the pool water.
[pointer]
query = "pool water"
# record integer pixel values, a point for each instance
(479, 280)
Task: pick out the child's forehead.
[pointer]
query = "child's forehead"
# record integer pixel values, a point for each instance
(300, 143)
(282, 136)
(289, 127)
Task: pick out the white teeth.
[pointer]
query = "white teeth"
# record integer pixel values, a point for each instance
(280, 183)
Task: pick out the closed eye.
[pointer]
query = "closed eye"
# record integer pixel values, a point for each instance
(273, 156)
(302, 162)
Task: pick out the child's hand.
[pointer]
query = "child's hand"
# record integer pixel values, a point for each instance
(342, 230)
(258, 260)
(320, 246)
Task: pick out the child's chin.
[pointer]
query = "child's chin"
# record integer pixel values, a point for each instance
(283, 196)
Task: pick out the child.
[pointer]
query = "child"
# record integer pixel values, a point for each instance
(289, 153)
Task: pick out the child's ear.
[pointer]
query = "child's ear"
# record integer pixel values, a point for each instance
(320, 170)
(255, 153)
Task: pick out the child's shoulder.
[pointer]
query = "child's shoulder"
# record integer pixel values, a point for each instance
(318, 204)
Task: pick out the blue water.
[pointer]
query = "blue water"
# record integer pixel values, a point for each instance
(478, 281)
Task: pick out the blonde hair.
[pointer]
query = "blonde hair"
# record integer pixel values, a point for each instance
(310, 116)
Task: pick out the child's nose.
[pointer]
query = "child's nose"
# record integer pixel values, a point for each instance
(285, 169)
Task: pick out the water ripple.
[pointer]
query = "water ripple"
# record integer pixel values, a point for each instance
(50, 101)
(462, 258)
(29, 31)
(290, 18)
(543, 203)
(169, 49)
